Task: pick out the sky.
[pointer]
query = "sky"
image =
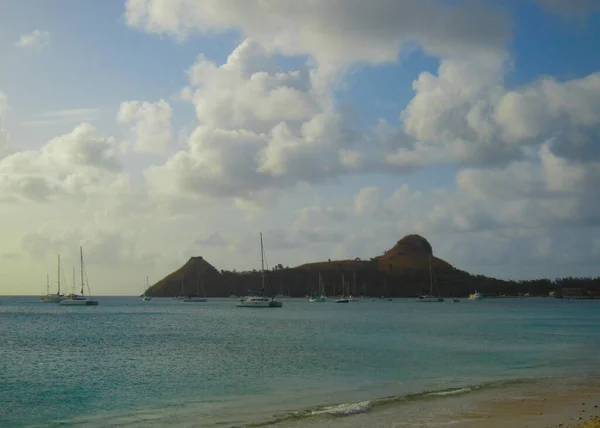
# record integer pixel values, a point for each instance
(151, 131)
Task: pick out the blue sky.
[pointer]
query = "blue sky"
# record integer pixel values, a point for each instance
(101, 56)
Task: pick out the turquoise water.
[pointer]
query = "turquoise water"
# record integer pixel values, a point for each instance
(132, 363)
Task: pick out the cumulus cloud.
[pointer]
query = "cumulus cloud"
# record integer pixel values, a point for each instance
(259, 128)
(74, 163)
(368, 201)
(37, 39)
(336, 31)
(150, 125)
(467, 116)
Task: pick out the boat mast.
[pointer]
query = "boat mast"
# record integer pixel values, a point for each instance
(430, 278)
(262, 264)
(58, 274)
(47, 284)
(81, 264)
(197, 282)
(73, 279)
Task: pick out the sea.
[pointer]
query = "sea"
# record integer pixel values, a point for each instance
(131, 363)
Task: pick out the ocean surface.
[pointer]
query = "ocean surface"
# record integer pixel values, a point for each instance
(132, 363)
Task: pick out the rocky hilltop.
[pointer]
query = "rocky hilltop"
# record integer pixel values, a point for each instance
(402, 271)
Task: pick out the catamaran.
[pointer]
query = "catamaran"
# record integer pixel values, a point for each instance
(53, 298)
(80, 300)
(257, 298)
(475, 296)
(430, 297)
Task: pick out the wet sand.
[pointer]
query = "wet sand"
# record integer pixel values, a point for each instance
(562, 406)
(543, 404)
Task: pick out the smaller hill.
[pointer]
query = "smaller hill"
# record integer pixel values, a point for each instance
(195, 271)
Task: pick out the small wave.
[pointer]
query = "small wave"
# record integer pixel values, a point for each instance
(343, 409)
(451, 392)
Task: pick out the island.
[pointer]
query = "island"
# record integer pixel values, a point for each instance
(402, 271)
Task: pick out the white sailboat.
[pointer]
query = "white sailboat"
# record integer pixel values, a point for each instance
(196, 298)
(180, 297)
(351, 298)
(53, 298)
(145, 296)
(280, 295)
(80, 300)
(430, 297)
(321, 297)
(257, 298)
(343, 298)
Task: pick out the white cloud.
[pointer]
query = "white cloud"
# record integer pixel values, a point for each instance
(467, 116)
(368, 201)
(150, 125)
(35, 40)
(336, 31)
(74, 163)
(259, 128)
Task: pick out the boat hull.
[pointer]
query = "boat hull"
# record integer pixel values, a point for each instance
(318, 299)
(52, 298)
(195, 299)
(429, 299)
(70, 302)
(245, 304)
(258, 303)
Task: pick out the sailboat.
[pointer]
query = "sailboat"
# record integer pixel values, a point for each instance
(280, 295)
(53, 298)
(145, 296)
(193, 298)
(257, 298)
(80, 300)
(343, 298)
(321, 297)
(180, 297)
(351, 298)
(430, 297)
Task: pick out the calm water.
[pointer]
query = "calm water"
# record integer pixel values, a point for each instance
(132, 363)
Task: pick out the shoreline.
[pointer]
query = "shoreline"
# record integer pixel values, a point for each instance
(548, 403)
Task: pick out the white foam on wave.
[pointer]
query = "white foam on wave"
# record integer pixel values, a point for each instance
(343, 409)
(451, 392)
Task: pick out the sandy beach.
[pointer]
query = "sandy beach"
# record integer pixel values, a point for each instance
(574, 405)
(541, 404)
